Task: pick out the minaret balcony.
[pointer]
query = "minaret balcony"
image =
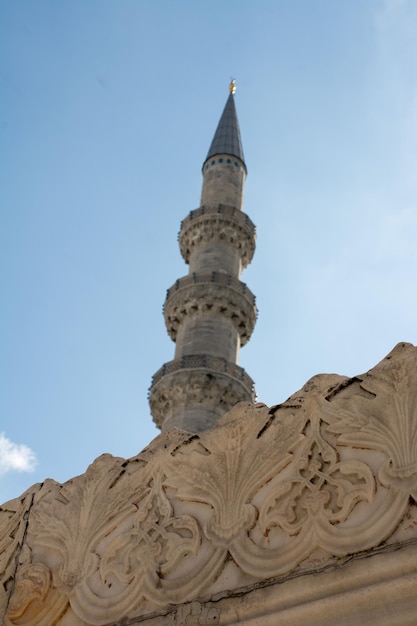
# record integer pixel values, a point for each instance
(214, 294)
(197, 383)
(220, 223)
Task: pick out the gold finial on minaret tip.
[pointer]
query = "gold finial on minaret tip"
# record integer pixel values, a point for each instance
(232, 86)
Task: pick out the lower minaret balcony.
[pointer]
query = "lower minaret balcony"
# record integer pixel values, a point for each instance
(214, 294)
(193, 392)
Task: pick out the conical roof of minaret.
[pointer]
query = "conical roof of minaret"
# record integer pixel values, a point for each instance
(227, 139)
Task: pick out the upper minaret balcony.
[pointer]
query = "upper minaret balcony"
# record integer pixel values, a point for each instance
(219, 238)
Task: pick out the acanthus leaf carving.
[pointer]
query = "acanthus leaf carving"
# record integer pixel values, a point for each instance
(227, 480)
(68, 518)
(387, 421)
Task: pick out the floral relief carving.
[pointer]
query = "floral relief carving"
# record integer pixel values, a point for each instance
(67, 519)
(388, 422)
(227, 480)
(322, 491)
(151, 549)
(150, 555)
(331, 469)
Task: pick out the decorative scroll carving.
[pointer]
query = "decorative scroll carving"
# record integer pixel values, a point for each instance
(321, 491)
(35, 602)
(151, 548)
(331, 470)
(217, 294)
(222, 223)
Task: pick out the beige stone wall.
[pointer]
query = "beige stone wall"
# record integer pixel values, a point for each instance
(303, 513)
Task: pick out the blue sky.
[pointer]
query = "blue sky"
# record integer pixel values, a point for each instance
(108, 109)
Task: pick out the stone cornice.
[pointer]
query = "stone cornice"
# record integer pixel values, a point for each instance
(215, 294)
(378, 588)
(221, 223)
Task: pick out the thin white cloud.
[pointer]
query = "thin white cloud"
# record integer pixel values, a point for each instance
(15, 457)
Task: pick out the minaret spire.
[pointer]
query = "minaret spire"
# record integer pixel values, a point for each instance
(227, 139)
(210, 313)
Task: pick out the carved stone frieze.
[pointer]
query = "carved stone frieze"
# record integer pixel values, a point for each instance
(215, 294)
(220, 223)
(270, 492)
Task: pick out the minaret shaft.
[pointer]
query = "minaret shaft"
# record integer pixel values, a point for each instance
(216, 256)
(224, 181)
(210, 313)
(208, 335)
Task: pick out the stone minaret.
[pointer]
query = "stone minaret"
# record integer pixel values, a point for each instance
(210, 313)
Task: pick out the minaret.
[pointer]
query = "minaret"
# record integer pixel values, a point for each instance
(210, 313)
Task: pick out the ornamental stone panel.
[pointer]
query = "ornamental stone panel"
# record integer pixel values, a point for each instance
(314, 498)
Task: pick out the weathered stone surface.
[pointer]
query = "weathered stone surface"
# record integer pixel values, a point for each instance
(13, 525)
(376, 590)
(306, 511)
